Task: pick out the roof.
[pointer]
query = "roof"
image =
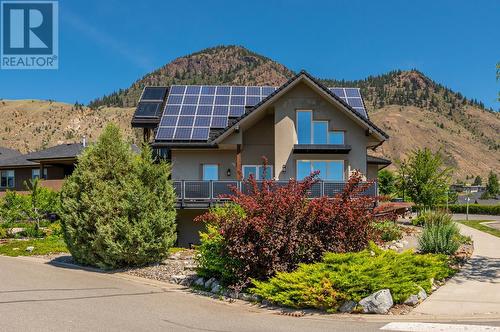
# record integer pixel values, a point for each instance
(8, 153)
(62, 151)
(377, 160)
(216, 134)
(17, 161)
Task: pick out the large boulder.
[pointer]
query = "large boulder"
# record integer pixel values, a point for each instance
(347, 307)
(378, 303)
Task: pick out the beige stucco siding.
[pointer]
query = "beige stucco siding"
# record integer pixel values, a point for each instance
(187, 229)
(303, 97)
(372, 172)
(187, 164)
(258, 142)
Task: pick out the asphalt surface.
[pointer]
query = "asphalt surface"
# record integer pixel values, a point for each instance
(42, 297)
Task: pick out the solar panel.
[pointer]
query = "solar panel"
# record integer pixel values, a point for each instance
(352, 97)
(148, 109)
(204, 107)
(154, 93)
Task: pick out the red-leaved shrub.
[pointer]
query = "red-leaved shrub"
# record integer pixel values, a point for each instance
(281, 227)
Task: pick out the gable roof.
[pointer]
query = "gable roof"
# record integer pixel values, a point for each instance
(17, 161)
(291, 82)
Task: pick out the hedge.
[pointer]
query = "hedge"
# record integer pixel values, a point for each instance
(493, 210)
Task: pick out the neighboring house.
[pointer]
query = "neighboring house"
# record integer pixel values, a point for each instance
(216, 135)
(52, 164)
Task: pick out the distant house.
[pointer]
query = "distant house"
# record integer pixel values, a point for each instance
(52, 164)
(215, 136)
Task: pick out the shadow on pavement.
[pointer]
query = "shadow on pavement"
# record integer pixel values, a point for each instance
(480, 268)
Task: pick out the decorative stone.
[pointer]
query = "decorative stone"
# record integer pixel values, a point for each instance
(412, 300)
(245, 297)
(30, 248)
(399, 245)
(177, 279)
(208, 283)
(422, 294)
(216, 288)
(255, 298)
(393, 247)
(378, 303)
(199, 282)
(267, 303)
(348, 307)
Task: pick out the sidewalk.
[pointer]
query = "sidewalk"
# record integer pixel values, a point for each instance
(475, 291)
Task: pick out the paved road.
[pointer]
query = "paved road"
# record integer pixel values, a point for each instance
(42, 297)
(475, 290)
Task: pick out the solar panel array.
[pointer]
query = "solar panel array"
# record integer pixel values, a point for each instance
(352, 97)
(192, 110)
(150, 104)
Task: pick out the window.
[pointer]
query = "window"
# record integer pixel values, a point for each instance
(210, 172)
(258, 172)
(35, 173)
(7, 179)
(331, 170)
(336, 137)
(316, 132)
(320, 132)
(304, 123)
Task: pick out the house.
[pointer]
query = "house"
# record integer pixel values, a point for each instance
(52, 165)
(215, 136)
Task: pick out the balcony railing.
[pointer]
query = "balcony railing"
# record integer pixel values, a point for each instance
(197, 193)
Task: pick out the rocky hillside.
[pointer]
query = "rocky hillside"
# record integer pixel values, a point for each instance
(415, 111)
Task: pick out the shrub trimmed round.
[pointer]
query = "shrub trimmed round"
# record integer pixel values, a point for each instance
(118, 207)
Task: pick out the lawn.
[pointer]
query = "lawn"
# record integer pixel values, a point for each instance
(48, 245)
(477, 225)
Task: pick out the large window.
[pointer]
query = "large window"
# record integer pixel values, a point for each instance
(304, 123)
(7, 179)
(210, 172)
(258, 172)
(331, 170)
(316, 132)
(35, 173)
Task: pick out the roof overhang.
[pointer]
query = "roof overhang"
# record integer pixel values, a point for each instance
(322, 148)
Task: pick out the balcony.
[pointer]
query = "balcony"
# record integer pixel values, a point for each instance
(202, 194)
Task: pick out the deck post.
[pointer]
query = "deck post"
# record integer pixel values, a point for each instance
(238, 162)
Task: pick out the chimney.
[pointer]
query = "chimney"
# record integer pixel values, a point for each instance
(84, 141)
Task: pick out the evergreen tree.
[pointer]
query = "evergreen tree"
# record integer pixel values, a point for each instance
(117, 208)
(477, 181)
(492, 187)
(386, 182)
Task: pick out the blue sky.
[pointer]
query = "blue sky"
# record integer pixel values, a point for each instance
(106, 45)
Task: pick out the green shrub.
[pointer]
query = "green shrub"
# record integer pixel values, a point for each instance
(430, 217)
(493, 210)
(118, 208)
(440, 238)
(387, 230)
(3, 233)
(353, 276)
(14, 207)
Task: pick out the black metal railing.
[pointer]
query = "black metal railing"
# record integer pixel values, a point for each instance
(198, 191)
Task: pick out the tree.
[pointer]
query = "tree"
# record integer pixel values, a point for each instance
(492, 187)
(424, 178)
(386, 182)
(477, 181)
(117, 208)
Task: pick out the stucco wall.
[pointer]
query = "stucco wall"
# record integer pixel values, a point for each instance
(258, 141)
(372, 172)
(187, 229)
(302, 97)
(187, 164)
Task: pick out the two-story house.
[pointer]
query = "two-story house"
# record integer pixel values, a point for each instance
(215, 136)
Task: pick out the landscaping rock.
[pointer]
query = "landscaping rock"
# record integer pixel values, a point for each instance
(245, 297)
(413, 300)
(393, 247)
(378, 303)
(422, 294)
(267, 303)
(177, 279)
(215, 287)
(348, 307)
(199, 282)
(209, 282)
(399, 245)
(30, 248)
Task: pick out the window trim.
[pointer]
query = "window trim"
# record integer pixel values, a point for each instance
(257, 177)
(311, 161)
(45, 173)
(7, 177)
(203, 171)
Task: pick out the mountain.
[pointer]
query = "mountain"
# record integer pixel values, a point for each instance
(413, 109)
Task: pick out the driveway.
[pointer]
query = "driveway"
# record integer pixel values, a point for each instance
(35, 296)
(475, 290)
